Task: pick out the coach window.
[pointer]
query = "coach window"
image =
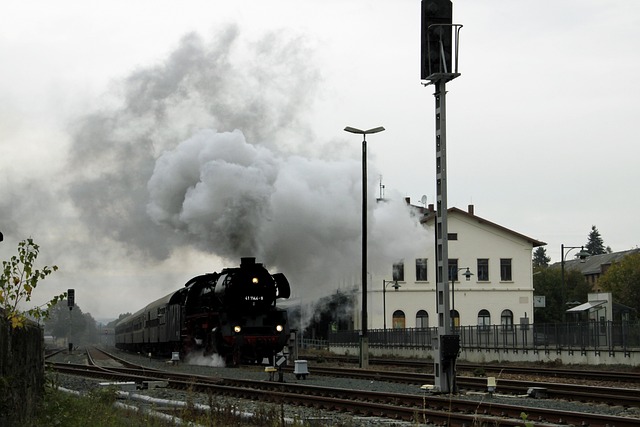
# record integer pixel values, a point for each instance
(162, 315)
(398, 319)
(484, 320)
(422, 319)
(506, 320)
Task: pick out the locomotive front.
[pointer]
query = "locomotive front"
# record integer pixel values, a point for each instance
(251, 327)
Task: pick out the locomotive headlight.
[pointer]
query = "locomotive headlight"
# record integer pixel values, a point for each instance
(279, 328)
(237, 329)
(254, 280)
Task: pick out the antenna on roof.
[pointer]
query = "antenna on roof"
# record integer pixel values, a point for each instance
(381, 188)
(424, 200)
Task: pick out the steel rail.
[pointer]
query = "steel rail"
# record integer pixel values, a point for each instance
(546, 371)
(410, 407)
(609, 395)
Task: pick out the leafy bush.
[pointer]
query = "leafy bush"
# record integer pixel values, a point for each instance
(19, 279)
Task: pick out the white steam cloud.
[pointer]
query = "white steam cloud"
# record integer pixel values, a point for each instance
(208, 152)
(298, 214)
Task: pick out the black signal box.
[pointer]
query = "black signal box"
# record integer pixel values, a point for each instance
(436, 37)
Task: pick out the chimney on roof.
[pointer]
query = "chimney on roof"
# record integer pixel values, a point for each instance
(470, 210)
(407, 200)
(431, 209)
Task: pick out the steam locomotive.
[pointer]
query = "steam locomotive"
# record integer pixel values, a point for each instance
(232, 313)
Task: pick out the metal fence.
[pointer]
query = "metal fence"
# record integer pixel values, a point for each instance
(313, 344)
(598, 336)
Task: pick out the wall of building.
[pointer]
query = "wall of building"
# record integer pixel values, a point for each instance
(566, 357)
(480, 240)
(476, 238)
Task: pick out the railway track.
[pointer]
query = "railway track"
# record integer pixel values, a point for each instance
(632, 377)
(572, 392)
(418, 407)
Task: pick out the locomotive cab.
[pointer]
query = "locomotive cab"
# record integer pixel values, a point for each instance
(202, 314)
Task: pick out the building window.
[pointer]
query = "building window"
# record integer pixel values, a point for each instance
(398, 320)
(421, 269)
(483, 269)
(398, 271)
(484, 320)
(506, 320)
(505, 269)
(452, 236)
(453, 269)
(422, 319)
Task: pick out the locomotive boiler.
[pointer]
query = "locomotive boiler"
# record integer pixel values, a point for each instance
(232, 313)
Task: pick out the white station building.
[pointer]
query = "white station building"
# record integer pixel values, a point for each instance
(498, 290)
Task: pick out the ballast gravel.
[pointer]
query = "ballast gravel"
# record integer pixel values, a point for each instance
(310, 416)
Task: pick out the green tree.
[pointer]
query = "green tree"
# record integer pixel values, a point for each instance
(18, 281)
(65, 323)
(595, 245)
(540, 258)
(90, 334)
(547, 282)
(622, 279)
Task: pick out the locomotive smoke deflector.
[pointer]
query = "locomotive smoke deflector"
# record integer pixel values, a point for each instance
(282, 285)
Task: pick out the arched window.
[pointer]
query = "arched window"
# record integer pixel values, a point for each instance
(506, 320)
(422, 319)
(398, 320)
(484, 319)
(455, 318)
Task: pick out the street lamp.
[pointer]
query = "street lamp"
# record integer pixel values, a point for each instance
(583, 255)
(364, 339)
(454, 273)
(395, 286)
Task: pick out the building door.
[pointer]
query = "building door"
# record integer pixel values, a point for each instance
(399, 321)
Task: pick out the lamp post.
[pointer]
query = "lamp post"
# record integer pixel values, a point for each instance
(454, 272)
(395, 286)
(583, 255)
(364, 338)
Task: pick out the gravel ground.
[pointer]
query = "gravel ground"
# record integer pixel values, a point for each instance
(313, 416)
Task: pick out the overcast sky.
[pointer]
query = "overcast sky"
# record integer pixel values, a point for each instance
(146, 142)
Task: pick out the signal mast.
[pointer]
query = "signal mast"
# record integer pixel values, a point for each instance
(439, 45)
